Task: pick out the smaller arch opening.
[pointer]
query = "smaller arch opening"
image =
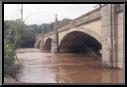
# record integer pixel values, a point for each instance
(47, 45)
(38, 46)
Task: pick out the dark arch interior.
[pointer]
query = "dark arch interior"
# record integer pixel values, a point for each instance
(80, 42)
(38, 46)
(48, 44)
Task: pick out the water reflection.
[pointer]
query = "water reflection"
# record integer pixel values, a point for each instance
(44, 67)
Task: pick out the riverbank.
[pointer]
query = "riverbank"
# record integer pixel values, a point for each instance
(10, 80)
(10, 77)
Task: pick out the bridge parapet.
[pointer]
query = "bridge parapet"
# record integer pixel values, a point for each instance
(48, 34)
(88, 17)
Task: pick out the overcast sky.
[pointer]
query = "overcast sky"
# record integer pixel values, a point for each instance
(45, 13)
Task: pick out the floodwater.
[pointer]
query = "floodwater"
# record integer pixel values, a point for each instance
(43, 67)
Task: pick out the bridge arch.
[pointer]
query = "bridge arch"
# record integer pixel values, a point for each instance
(84, 30)
(80, 40)
(47, 44)
(39, 44)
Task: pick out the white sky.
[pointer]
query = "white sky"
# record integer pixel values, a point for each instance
(45, 13)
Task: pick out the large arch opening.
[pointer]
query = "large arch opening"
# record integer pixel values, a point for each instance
(80, 42)
(47, 45)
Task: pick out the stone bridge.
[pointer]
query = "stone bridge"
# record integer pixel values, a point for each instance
(99, 31)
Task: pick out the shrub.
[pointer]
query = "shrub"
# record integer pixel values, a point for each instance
(10, 67)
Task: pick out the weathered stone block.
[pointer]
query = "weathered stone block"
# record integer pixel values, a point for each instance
(120, 43)
(121, 58)
(120, 18)
(105, 10)
(106, 57)
(106, 20)
(105, 32)
(120, 30)
(106, 46)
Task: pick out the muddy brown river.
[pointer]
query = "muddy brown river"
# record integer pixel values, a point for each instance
(43, 67)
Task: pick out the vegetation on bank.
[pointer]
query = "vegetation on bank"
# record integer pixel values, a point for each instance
(11, 42)
(19, 35)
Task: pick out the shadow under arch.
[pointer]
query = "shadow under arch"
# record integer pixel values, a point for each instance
(78, 41)
(39, 44)
(47, 44)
